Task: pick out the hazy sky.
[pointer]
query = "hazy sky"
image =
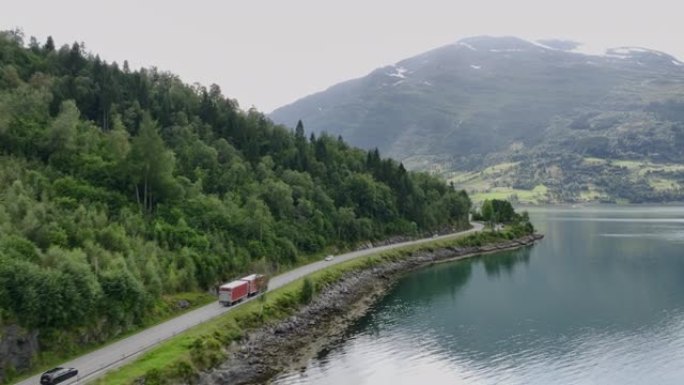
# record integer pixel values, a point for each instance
(268, 53)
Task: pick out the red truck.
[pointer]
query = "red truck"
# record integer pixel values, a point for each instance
(258, 283)
(235, 291)
(232, 292)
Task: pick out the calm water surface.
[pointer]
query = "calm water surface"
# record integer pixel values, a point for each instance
(599, 301)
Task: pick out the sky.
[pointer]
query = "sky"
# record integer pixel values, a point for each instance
(268, 53)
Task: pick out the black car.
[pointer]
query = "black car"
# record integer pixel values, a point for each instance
(57, 375)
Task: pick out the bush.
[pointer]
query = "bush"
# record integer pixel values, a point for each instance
(154, 377)
(184, 371)
(206, 352)
(307, 292)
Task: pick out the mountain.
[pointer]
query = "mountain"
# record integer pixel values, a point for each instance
(502, 116)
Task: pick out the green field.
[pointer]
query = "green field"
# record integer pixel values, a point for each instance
(591, 195)
(535, 196)
(483, 182)
(471, 181)
(500, 168)
(660, 184)
(643, 168)
(593, 161)
(495, 182)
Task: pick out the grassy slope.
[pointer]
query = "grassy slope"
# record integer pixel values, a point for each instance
(535, 196)
(493, 181)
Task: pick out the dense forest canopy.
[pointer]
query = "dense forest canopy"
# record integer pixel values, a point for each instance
(119, 186)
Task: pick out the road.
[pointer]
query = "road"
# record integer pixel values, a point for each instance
(98, 362)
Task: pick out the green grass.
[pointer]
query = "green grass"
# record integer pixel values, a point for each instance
(655, 167)
(429, 163)
(200, 347)
(628, 164)
(540, 189)
(460, 177)
(480, 181)
(495, 182)
(499, 193)
(499, 168)
(642, 168)
(479, 185)
(469, 181)
(591, 195)
(535, 196)
(593, 161)
(660, 184)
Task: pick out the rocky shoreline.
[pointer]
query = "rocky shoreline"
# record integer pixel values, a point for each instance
(272, 349)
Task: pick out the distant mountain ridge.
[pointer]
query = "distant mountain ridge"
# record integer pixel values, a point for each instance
(487, 101)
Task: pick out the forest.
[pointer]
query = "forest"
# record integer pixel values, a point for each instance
(120, 186)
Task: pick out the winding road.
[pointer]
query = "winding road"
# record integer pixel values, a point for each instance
(98, 362)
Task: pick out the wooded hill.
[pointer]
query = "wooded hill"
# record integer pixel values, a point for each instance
(119, 186)
(505, 118)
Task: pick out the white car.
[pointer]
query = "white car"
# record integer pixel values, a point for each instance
(329, 258)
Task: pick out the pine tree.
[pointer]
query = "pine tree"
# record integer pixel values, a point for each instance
(49, 44)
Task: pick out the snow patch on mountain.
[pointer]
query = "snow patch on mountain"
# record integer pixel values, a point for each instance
(634, 50)
(470, 47)
(506, 50)
(400, 71)
(557, 44)
(544, 46)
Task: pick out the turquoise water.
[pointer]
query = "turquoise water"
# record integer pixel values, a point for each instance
(599, 301)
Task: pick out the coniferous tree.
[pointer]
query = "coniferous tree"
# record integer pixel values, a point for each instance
(49, 44)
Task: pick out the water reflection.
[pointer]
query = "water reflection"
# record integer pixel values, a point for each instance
(494, 264)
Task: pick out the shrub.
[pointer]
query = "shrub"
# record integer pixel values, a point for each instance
(184, 371)
(307, 292)
(154, 376)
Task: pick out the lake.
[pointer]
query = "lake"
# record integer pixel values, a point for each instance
(599, 301)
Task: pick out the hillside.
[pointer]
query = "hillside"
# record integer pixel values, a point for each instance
(504, 116)
(120, 189)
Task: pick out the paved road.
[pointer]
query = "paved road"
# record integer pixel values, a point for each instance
(97, 363)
